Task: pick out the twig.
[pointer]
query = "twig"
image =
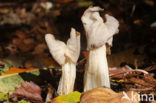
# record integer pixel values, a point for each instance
(136, 70)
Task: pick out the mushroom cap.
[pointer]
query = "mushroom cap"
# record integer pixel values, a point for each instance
(98, 32)
(73, 45)
(62, 52)
(57, 48)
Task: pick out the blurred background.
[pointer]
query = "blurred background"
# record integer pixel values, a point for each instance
(24, 23)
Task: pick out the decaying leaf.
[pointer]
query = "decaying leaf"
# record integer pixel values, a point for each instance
(115, 70)
(12, 80)
(73, 97)
(39, 49)
(29, 90)
(106, 95)
(3, 96)
(17, 70)
(154, 102)
(3, 68)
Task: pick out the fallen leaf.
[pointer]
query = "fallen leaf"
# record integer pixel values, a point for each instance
(117, 70)
(26, 47)
(4, 11)
(17, 41)
(106, 95)
(28, 41)
(29, 90)
(154, 102)
(20, 35)
(39, 49)
(8, 82)
(3, 68)
(17, 70)
(73, 97)
(3, 96)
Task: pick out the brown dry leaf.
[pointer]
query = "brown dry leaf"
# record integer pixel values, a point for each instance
(153, 67)
(106, 95)
(141, 82)
(20, 34)
(11, 48)
(4, 10)
(28, 41)
(154, 102)
(48, 61)
(21, 12)
(17, 41)
(39, 49)
(26, 48)
(118, 70)
(150, 78)
(29, 90)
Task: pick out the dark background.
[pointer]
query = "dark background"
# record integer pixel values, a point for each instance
(24, 23)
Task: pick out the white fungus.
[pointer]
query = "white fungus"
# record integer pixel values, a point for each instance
(98, 34)
(66, 55)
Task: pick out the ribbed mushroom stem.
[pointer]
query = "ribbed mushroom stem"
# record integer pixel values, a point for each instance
(100, 76)
(66, 84)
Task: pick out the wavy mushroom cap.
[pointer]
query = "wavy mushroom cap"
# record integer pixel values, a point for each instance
(98, 32)
(62, 52)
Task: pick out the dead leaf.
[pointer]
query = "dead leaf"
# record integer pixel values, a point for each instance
(28, 41)
(154, 102)
(106, 95)
(26, 48)
(11, 48)
(29, 90)
(118, 70)
(73, 97)
(17, 41)
(17, 70)
(39, 49)
(20, 35)
(4, 11)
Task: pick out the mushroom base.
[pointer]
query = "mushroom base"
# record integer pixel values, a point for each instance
(66, 84)
(96, 72)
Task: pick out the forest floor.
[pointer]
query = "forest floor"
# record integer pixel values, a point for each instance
(24, 56)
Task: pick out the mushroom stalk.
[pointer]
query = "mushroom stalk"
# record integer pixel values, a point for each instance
(96, 73)
(66, 55)
(98, 33)
(66, 84)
